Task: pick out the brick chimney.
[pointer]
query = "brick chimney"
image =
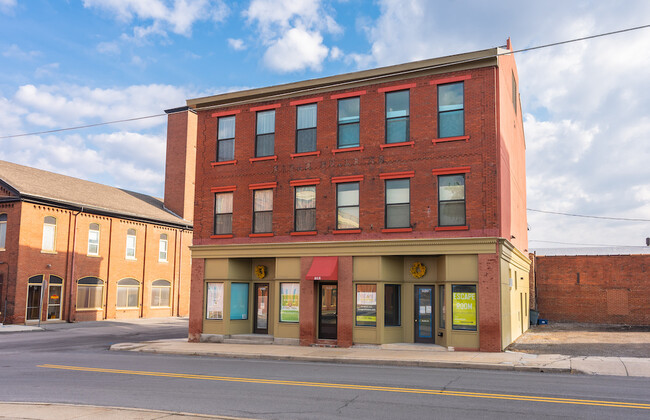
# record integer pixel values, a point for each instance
(180, 164)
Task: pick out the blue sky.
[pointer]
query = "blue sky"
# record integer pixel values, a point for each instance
(77, 62)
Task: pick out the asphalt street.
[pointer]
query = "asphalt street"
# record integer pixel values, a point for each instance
(72, 364)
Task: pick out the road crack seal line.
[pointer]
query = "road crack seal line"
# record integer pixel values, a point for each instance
(467, 394)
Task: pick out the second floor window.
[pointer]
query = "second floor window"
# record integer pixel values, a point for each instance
(265, 134)
(397, 116)
(348, 133)
(223, 213)
(451, 113)
(226, 139)
(263, 211)
(162, 248)
(3, 230)
(305, 216)
(93, 239)
(398, 207)
(130, 244)
(451, 200)
(49, 234)
(347, 205)
(306, 128)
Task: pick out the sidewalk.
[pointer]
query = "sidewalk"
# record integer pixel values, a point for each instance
(403, 355)
(91, 412)
(18, 328)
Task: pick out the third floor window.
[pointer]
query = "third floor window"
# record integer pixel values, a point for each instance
(397, 116)
(348, 132)
(451, 113)
(306, 128)
(226, 139)
(265, 134)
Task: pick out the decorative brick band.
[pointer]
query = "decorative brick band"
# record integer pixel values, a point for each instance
(398, 87)
(306, 101)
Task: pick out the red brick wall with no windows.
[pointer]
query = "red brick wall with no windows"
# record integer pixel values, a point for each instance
(612, 289)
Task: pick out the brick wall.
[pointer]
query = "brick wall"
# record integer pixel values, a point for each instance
(609, 289)
(478, 153)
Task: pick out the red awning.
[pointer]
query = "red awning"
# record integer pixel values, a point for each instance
(323, 268)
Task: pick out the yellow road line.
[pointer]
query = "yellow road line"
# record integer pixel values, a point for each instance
(528, 398)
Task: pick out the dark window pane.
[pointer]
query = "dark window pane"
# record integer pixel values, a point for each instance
(306, 140)
(451, 124)
(392, 305)
(226, 150)
(397, 216)
(348, 135)
(452, 213)
(348, 218)
(305, 220)
(263, 222)
(264, 146)
(397, 130)
(222, 224)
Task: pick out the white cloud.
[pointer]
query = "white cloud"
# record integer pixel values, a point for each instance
(7, 6)
(14, 51)
(111, 48)
(296, 50)
(292, 32)
(177, 16)
(335, 53)
(236, 44)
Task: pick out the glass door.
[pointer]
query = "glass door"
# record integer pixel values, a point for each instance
(54, 301)
(327, 311)
(33, 302)
(261, 315)
(424, 314)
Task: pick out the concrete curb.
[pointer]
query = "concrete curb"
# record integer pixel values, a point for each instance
(143, 348)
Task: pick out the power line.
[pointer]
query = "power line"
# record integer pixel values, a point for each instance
(554, 44)
(590, 217)
(80, 126)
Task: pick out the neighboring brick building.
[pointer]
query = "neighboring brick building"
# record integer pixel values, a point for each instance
(90, 251)
(596, 286)
(386, 205)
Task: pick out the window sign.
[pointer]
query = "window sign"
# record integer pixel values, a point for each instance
(214, 309)
(289, 302)
(239, 301)
(464, 307)
(366, 305)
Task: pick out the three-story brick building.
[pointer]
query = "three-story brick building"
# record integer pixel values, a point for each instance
(385, 205)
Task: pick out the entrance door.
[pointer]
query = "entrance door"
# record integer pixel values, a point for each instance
(33, 302)
(424, 326)
(261, 315)
(327, 311)
(54, 301)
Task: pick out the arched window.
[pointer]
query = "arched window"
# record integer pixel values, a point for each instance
(93, 239)
(128, 291)
(162, 248)
(90, 293)
(49, 234)
(3, 230)
(160, 291)
(130, 244)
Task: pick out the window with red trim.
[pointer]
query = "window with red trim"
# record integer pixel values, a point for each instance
(265, 133)
(226, 138)
(306, 128)
(451, 112)
(348, 122)
(223, 213)
(398, 203)
(263, 211)
(451, 200)
(305, 208)
(397, 116)
(347, 205)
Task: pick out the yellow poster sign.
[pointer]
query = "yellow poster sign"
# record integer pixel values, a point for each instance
(464, 307)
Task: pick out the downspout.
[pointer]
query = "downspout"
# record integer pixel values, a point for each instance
(74, 247)
(144, 271)
(174, 278)
(108, 265)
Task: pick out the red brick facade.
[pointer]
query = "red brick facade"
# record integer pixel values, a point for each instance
(605, 289)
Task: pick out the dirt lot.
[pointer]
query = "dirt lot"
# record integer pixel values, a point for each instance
(585, 340)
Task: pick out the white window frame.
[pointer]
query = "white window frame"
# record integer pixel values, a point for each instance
(49, 227)
(163, 247)
(3, 231)
(134, 238)
(90, 243)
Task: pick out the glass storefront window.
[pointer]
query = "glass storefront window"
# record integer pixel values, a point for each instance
(463, 311)
(214, 301)
(239, 301)
(391, 305)
(289, 302)
(366, 315)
